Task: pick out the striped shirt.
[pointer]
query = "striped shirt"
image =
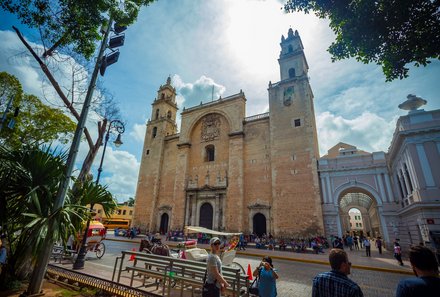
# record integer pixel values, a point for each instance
(335, 284)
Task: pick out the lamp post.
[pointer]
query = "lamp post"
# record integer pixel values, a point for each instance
(114, 125)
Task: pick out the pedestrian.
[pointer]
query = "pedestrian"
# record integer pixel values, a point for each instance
(241, 243)
(349, 242)
(367, 245)
(3, 256)
(425, 267)
(214, 282)
(398, 253)
(338, 243)
(267, 286)
(361, 240)
(335, 283)
(379, 245)
(356, 243)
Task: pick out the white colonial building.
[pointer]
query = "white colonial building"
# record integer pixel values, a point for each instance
(398, 192)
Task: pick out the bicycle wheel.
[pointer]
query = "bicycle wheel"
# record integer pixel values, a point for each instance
(100, 250)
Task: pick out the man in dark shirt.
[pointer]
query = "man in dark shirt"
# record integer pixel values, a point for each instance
(425, 267)
(335, 283)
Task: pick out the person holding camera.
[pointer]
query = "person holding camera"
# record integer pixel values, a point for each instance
(267, 278)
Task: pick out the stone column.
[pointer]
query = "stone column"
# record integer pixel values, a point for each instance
(388, 187)
(383, 225)
(381, 188)
(180, 185)
(235, 202)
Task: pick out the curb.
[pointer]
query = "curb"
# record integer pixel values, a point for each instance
(371, 268)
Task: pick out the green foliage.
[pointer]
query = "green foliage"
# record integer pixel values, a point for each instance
(29, 181)
(391, 33)
(73, 23)
(131, 201)
(36, 123)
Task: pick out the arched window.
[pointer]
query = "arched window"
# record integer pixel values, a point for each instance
(169, 114)
(209, 153)
(164, 219)
(290, 49)
(157, 114)
(162, 96)
(154, 132)
(291, 72)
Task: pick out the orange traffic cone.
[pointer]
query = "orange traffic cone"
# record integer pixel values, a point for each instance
(132, 257)
(249, 272)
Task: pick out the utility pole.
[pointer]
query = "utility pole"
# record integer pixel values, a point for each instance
(43, 258)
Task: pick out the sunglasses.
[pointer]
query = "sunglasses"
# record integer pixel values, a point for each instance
(216, 243)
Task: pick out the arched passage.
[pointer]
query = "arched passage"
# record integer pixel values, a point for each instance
(368, 211)
(164, 221)
(206, 215)
(259, 224)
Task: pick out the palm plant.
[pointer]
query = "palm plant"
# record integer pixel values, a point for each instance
(29, 181)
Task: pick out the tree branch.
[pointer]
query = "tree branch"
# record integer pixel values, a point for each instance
(54, 84)
(55, 45)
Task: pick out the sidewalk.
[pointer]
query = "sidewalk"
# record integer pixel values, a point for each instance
(384, 262)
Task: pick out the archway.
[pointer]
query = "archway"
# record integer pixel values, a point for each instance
(368, 221)
(164, 220)
(259, 222)
(206, 215)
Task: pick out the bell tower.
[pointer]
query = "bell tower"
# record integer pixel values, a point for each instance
(161, 124)
(292, 60)
(296, 197)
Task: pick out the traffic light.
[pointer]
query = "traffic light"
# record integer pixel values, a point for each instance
(116, 40)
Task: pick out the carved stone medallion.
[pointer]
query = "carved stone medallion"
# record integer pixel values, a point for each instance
(210, 127)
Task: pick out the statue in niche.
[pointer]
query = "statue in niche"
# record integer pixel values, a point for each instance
(210, 127)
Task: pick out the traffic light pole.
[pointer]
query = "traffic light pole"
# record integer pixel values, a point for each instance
(43, 258)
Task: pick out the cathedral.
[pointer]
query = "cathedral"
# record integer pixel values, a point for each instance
(227, 171)
(261, 174)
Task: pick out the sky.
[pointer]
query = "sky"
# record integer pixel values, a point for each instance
(232, 45)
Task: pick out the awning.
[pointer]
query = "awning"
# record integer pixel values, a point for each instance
(196, 229)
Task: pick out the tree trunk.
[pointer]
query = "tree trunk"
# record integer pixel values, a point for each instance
(87, 164)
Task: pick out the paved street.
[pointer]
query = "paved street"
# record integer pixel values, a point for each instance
(295, 277)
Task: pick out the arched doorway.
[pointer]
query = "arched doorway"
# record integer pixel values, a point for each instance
(366, 217)
(206, 215)
(164, 220)
(259, 221)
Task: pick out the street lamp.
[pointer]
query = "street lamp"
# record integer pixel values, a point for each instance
(114, 125)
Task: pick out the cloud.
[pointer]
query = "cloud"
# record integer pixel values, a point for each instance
(368, 131)
(120, 173)
(138, 132)
(203, 89)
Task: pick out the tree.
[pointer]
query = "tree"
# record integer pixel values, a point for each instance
(72, 26)
(390, 33)
(36, 123)
(131, 201)
(29, 180)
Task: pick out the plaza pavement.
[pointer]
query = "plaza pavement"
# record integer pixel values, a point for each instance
(296, 270)
(384, 262)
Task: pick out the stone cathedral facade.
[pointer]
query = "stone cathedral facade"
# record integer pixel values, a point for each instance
(227, 171)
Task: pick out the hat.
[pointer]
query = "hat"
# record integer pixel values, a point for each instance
(214, 240)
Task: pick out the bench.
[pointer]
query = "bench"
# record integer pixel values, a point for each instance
(173, 274)
(59, 253)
